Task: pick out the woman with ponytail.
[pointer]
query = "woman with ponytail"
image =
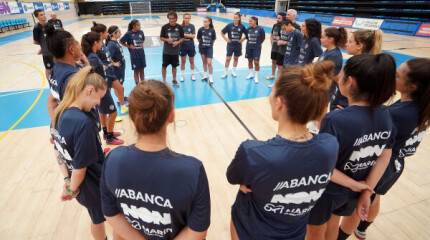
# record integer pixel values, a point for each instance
(180, 210)
(411, 116)
(206, 37)
(115, 50)
(91, 43)
(77, 139)
(364, 41)
(311, 44)
(365, 134)
(282, 178)
(109, 66)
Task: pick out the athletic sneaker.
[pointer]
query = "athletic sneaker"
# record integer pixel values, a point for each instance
(211, 81)
(192, 77)
(233, 74)
(271, 85)
(114, 141)
(270, 77)
(119, 104)
(115, 134)
(224, 75)
(359, 234)
(126, 99)
(124, 109)
(256, 79)
(175, 83)
(118, 119)
(181, 79)
(250, 76)
(204, 78)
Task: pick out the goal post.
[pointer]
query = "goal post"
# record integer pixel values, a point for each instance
(139, 8)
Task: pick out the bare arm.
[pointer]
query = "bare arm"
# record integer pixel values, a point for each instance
(379, 168)
(36, 42)
(51, 105)
(271, 39)
(123, 227)
(188, 234)
(191, 35)
(167, 40)
(344, 180)
(225, 37)
(78, 176)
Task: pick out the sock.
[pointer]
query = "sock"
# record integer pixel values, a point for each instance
(342, 235)
(206, 74)
(192, 71)
(183, 72)
(250, 71)
(226, 71)
(362, 227)
(234, 70)
(105, 131)
(256, 74)
(110, 136)
(210, 76)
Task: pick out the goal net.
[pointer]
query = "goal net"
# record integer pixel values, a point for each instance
(140, 8)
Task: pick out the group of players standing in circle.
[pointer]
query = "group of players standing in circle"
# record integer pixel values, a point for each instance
(296, 185)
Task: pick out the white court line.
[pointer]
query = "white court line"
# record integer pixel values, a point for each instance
(23, 91)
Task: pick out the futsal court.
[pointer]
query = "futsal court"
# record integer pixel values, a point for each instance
(211, 122)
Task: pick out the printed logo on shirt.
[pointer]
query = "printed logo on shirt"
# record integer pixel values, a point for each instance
(398, 165)
(138, 216)
(111, 107)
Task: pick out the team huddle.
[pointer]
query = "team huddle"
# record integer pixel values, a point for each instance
(296, 185)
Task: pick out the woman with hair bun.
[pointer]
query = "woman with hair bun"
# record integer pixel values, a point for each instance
(282, 178)
(177, 183)
(365, 133)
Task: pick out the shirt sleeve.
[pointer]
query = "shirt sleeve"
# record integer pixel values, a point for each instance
(109, 206)
(193, 29)
(125, 38)
(111, 48)
(246, 33)
(392, 139)
(236, 171)
(36, 34)
(316, 47)
(181, 32)
(225, 29)
(327, 126)
(199, 34)
(214, 35)
(199, 217)
(263, 34)
(337, 64)
(143, 36)
(85, 146)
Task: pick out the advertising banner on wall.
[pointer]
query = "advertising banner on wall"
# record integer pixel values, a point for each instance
(60, 6)
(38, 6)
(66, 6)
(424, 30)
(15, 8)
(233, 10)
(47, 7)
(367, 23)
(28, 7)
(54, 6)
(343, 21)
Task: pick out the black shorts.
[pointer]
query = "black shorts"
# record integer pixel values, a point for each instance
(390, 177)
(190, 52)
(274, 55)
(280, 60)
(96, 215)
(339, 201)
(235, 49)
(170, 60)
(107, 106)
(48, 61)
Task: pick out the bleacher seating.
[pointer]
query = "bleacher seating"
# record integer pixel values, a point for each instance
(13, 24)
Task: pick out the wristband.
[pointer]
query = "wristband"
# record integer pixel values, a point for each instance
(67, 179)
(71, 191)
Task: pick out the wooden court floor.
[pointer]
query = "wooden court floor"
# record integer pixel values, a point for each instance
(30, 206)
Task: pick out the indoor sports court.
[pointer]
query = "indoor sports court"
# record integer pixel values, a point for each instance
(211, 119)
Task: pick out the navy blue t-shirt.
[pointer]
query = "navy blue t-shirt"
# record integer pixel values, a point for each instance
(115, 50)
(60, 75)
(136, 39)
(334, 55)
(188, 43)
(206, 37)
(286, 178)
(234, 33)
(77, 139)
(361, 136)
(337, 98)
(160, 194)
(292, 52)
(276, 31)
(97, 64)
(255, 37)
(104, 56)
(310, 49)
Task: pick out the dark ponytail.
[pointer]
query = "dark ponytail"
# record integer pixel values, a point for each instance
(57, 41)
(132, 24)
(255, 19)
(211, 25)
(339, 35)
(418, 74)
(88, 41)
(375, 76)
(111, 31)
(98, 27)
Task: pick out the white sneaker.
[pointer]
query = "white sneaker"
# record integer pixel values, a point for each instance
(256, 79)
(250, 76)
(211, 81)
(233, 74)
(359, 234)
(192, 77)
(270, 77)
(271, 85)
(181, 79)
(224, 76)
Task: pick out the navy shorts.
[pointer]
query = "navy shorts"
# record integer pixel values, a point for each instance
(274, 55)
(280, 59)
(48, 61)
(96, 215)
(120, 74)
(138, 63)
(190, 52)
(390, 177)
(170, 60)
(107, 106)
(235, 49)
(253, 54)
(340, 202)
(208, 52)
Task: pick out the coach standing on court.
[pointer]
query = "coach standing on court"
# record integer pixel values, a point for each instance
(291, 14)
(172, 35)
(56, 22)
(39, 39)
